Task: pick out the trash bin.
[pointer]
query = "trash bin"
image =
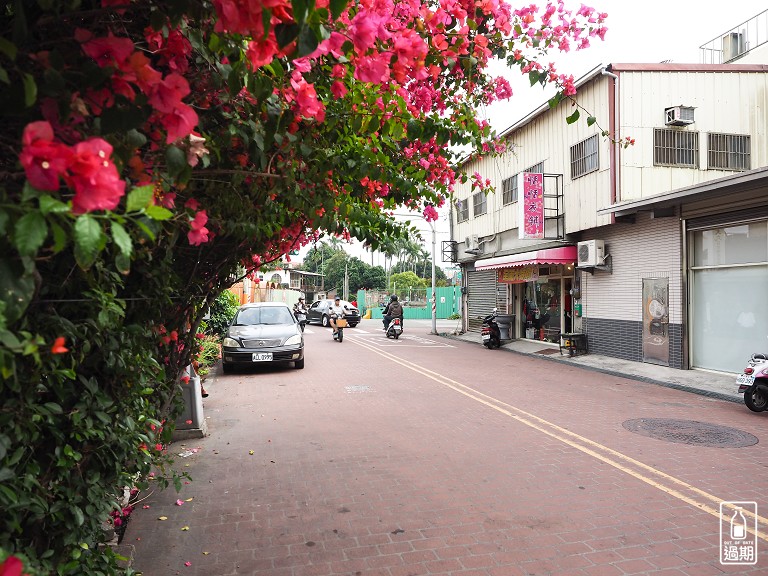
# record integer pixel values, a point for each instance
(505, 324)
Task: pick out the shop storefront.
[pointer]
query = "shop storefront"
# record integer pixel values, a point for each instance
(535, 288)
(728, 276)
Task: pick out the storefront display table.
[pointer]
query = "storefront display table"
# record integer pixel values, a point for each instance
(573, 342)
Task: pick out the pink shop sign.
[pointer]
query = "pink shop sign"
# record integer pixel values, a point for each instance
(531, 209)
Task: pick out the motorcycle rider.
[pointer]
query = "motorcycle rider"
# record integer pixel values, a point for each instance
(335, 311)
(300, 307)
(393, 310)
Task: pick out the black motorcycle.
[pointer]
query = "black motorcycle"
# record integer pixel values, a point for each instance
(490, 331)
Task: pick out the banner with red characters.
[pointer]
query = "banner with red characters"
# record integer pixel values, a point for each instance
(531, 209)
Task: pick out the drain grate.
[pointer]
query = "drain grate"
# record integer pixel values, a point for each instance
(691, 432)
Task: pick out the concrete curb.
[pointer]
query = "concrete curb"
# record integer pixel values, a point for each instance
(646, 379)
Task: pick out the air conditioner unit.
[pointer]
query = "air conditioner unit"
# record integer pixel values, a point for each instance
(733, 46)
(678, 116)
(591, 253)
(472, 243)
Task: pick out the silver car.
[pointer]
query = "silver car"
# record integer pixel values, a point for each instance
(263, 332)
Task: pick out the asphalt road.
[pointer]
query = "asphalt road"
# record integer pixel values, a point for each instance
(428, 455)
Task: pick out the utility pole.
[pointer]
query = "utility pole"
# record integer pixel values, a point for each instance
(434, 292)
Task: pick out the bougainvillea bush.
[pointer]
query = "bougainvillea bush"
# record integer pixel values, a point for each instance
(154, 151)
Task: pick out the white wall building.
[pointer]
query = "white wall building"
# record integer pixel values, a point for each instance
(682, 216)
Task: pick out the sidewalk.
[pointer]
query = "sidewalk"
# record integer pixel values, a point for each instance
(712, 384)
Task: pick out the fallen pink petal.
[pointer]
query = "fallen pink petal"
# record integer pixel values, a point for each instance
(179, 502)
(187, 563)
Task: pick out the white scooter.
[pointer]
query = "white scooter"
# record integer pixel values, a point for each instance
(395, 328)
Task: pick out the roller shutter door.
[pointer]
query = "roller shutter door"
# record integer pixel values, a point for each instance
(481, 297)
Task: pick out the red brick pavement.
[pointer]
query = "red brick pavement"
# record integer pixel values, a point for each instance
(409, 477)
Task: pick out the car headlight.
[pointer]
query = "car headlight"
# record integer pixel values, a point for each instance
(296, 339)
(231, 343)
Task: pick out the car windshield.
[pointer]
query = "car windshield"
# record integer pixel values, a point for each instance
(264, 315)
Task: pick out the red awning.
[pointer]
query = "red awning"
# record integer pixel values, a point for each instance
(561, 255)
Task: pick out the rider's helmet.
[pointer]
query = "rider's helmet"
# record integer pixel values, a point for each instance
(301, 299)
(393, 298)
(337, 299)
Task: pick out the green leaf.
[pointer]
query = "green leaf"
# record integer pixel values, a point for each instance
(49, 204)
(89, 240)
(285, 34)
(122, 239)
(30, 232)
(591, 120)
(533, 76)
(30, 89)
(307, 41)
(3, 222)
(60, 238)
(337, 7)
(573, 117)
(4, 76)
(8, 48)
(158, 213)
(139, 198)
(176, 159)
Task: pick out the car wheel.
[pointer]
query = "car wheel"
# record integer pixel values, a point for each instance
(226, 368)
(325, 322)
(299, 364)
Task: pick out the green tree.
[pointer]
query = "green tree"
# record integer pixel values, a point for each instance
(222, 311)
(404, 280)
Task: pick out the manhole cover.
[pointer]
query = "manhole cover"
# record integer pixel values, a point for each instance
(691, 432)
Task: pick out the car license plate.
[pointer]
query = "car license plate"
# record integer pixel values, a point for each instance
(486, 337)
(745, 379)
(262, 356)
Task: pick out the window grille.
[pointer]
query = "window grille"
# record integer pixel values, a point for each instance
(536, 168)
(584, 157)
(462, 210)
(728, 151)
(509, 188)
(479, 204)
(675, 148)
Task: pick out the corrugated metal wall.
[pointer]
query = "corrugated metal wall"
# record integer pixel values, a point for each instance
(481, 297)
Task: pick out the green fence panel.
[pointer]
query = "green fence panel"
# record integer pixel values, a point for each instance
(448, 303)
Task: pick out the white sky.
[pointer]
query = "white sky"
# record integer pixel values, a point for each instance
(646, 31)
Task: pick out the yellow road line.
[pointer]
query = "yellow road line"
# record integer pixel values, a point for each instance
(572, 439)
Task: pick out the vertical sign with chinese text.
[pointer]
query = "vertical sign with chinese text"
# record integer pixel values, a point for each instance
(531, 208)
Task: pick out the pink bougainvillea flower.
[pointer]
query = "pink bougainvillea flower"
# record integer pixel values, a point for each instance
(58, 346)
(185, 379)
(199, 233)
(94, 177)
(44, 161)
(110, 50)
(11, 567)
(262, 52)
(179, 123)
(430, 214)
(188, 421)
(187, 563)
(179, 502)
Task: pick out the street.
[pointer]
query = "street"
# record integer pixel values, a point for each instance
(430, 455)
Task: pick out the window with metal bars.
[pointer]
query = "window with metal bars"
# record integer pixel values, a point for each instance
(479, 204)
(728, 151)
(536, 168)
(509, 190)
(584, 157)
(675, 148)
(462, 210)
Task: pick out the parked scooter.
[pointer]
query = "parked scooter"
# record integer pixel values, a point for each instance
(753, 383)
(490, 331)
(395, 328)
